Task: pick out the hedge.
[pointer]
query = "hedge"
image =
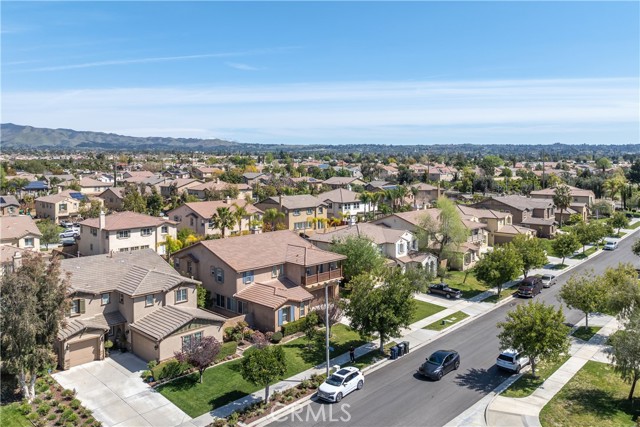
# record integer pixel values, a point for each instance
(295, 326)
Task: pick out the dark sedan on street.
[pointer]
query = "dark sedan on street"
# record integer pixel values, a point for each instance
(440, 363)
(444, 289)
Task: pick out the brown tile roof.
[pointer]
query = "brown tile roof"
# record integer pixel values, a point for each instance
(7, 253)
(424, 187)
(340, 195)
(274, 293)
(415, 217)
(523, 203)
(472, 225)
(126, 220)
(538, 221)
(574, 192)
(515, 229)
(90, 182)
(180, 182)
(166, 320)
(301, 201)
(340, 180)
(75, 326)
(8, 201)
(15, 227)
(244, 253)
(481, 213)
(103, 273)
(55, 198)
(207, 209)
(378, 234)
(219, 186)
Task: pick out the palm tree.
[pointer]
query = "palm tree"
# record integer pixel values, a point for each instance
(375, 200)
(239, 214)
(562, 199)
(324, 222)
(335, 222)
(401, 193)
(365, 198)
(223, 219)
(271, 217)
(414, 191)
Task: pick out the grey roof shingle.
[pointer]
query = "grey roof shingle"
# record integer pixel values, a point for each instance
(166, 320)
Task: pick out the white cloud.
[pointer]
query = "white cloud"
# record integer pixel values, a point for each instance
(400, 111)
(240, 66)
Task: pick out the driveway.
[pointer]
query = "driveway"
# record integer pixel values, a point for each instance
(113, 390)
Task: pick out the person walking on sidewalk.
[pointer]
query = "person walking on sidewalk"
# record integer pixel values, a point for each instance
(352, 354)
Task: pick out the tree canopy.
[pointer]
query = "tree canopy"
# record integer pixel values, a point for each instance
(531, 251)
(565, 244)
(50, 232)
(562, 199)
(199, 354)
(264, 366)
(586, 293)
(362, 256)
(447, 231)
(625, 351)
(499, 266)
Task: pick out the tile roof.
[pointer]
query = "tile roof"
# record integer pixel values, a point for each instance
(7, 253)
(207, 209)
(378, 234)
(102, 273)
(296, 202)
(340, 195)
(574, 191)
(74, 326)
(539, 221)
(15, 227)
(179, 182)
(274, 293)
(55, 198)
(523, 203)
(126, 220)
(340, 180)
(8, 201)
(244, 253)
(90, 182)
(424, 187)
(166, 320)
(219, 186)
(415, 217)
(482, 213)
(514, 229)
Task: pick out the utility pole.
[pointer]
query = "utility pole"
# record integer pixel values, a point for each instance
(326, 321)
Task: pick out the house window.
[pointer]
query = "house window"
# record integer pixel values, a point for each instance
(144, 247)
(124, 234)
(124, 250)
(309, 211)
(231, 304)
(164, 229)
(146, 231)
(189, 267)
(135, 248)
(121, 298)
(63, 207)
(302, 309)
(241, 307)
(181, 295)
(186, 342)
(197, 338)
(247, 277)
(220, 301)
(77, 307)
(296, 212)
(105, 299)
(321, 210)
(94, 231)
(176, 263)
(277, 271)
(191, 221)
(28, 242)
(148, 300)
(285, 314)
(220, 275)
(177, 218)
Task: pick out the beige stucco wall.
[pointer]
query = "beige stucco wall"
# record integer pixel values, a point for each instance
(173, 343)
(20, 243)
(93, 305)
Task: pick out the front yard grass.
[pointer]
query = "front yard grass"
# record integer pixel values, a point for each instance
(595, 396)
(223, 384)
(559, 266)
(451, 319)
(584, 333)
(546, 244)
(470, 288)
(12, 417)
(526, 384)
(583, 255)
(506, 293)
(425, 309)
(633, 226)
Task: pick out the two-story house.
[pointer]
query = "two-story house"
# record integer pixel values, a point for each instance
(198, 216)
(400, 247)
(499, 225)
(537, 214)
(345, 205)
(124, 232)
(424, 195)
(9, 205)
(271, 278)
(206, 172)
(302, 213)
(221, 188)
(58, 207)
(93, 186)
(20, 231)
(581, 201)
(177, 186)
(137, 301)
(347, 182)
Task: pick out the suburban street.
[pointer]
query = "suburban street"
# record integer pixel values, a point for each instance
(395, 396)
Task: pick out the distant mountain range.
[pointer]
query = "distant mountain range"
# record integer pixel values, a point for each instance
(29, 137)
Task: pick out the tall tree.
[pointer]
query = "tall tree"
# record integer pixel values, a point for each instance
(618, 220)
(562, 199)
(586, 293)
(34, 302)
(154, 202)
(625, 352)
(91, 209)
(171, 245)
(239, 213)
(133, 200)
(537, 330)
(199, 354)
(586, 233)
(272, 217)
(499, 266)
(264, 366)
(447, 231)
(381, 304)
(565, 244)
(223, 219)
(603, 163)
(362, 256)
(531, 251)
(623, 290)
(50, 233)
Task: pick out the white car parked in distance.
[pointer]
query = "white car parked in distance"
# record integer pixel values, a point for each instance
(548, 280)
(610, 245)
(512, 360)
(341, 383)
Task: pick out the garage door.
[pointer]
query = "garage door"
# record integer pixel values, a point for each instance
(83, 352)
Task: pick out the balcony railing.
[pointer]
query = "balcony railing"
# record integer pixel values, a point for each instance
(322, 277)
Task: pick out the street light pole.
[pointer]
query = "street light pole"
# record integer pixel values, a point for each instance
(326, 321)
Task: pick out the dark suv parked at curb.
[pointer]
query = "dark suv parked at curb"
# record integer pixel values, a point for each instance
(530, 287)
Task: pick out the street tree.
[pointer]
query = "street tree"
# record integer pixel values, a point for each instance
(537, 330)
(335, 309)
(625, 352)
(618, 220)
(499, 266)
(587, 293)
(562, 199)
(34, 303)
(362, 256)
(623, 290)
(264, 366)
(50, 232)
(531, 251)
(586, 233)
(310, 326)
(447, 230)
(199, 354)
(381, 304)
(565, 244)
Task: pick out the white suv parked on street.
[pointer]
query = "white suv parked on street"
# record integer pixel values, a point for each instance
(511, 360)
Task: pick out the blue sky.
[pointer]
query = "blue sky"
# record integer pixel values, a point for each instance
(333, 72)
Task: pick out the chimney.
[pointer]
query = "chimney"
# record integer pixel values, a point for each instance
(111, 253)
(280, 201)
(17, 261)
(227, 200)
(102, 222)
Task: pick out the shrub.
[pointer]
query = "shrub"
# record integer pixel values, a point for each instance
(90, 420)
(43, 409)
(68, 416)
(145, 374)
(237, 332)
(37, 401)
(152, 364)
(75, 404)
(33, 417)
(276, 337)
(220, 422)
(170, 369)
(268, 335)
(293, 327)
(233, 419)
(48, 395)
(25, 409)
(68, 394)
(51, 417)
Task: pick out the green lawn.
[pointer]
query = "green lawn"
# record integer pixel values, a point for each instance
(470, 288)
(559, 267)
(526, 384)
(506, 293)
(223, 383)
(424, 309)
(618, 235)
(372, 356)
(585, 334)
(11, 417)
(595, 396)
(546, 244)
(586, 253)
(633, 226)
(451, 319)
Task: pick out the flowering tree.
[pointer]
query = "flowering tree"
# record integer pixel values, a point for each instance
(199, 354)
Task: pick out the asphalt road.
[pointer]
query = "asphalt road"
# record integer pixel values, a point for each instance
(395, 396)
